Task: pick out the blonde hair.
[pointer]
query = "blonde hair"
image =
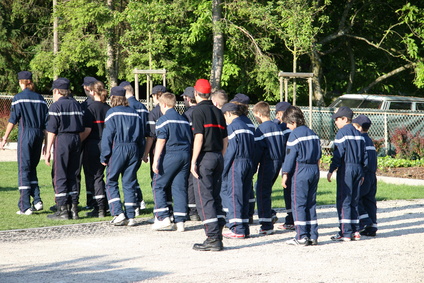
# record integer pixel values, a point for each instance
(168, 98)
(219, 97)
(262, 108)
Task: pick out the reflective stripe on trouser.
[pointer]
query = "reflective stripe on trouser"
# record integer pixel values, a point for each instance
(29, 152)
(207, 189)
(235, 194)
(267, 174)
(348, 179)
(66, 155)
(174, 173)
(124, 161)
(367, 203)
(304, 193)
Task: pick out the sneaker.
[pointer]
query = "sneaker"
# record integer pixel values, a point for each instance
(131, 222)
(232, 235)
(137, 211)
(285, 226)
(209, 245)
(162, 224)
(265, 232)
(295, 242)
(180, 226)
(38, 206)
(142, 205)
(274, 219)
(356, 236)
(26, 212)
(119, 220)
(339, 237)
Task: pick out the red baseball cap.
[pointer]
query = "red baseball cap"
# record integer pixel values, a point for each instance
(203, 86)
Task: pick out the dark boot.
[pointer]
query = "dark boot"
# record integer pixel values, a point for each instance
(102, 213)
(209, 244)
(61, 214)
(93, 213)
(74, 211)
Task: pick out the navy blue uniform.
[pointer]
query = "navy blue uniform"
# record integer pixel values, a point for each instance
(29, 109)
(121, 144)
(237, 176)
(94, 118)
(66, 121)
(269, 153)
(173, 165)
(349, 158)
(301, 164)
(210, 122)
(367, 203)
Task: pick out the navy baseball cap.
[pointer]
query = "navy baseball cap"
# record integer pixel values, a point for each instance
(117, 91)
(241, 98)
(343, 111)
(61, 83)
(124, 83)
(362, 121)
(88, 81)
(282, 106)
(158, 88)
(229, 107)
(25, 75)
(189, 92)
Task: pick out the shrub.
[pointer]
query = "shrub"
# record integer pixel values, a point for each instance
(407, 145)
(379, 144)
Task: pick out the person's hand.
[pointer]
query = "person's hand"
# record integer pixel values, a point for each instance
(104, 163)
(193, 170)
(284, 181)
(47, 157)
(145, 158)
(362, 181)
(329, 176)
(3, 143)
(155, 167)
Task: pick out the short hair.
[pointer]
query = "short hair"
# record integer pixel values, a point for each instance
(262, 108)
(118, 101)
(243, 108)
(129, 89)
(168, 98)
(64, 92)
(220, 97)
(293, 114)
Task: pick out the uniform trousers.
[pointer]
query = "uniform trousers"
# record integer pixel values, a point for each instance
(367, 205)
(29, 152)
(173, 173)
(207, 190)
(125, 161)
(288, 202)
(192, 210)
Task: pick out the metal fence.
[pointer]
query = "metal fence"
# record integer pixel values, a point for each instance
(384, 123)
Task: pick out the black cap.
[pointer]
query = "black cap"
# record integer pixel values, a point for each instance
(25, 75)
(124, 83)
(241, 98)
(343, 111)
(61, 83)
(229, 107)
(282, 106)
(117, 91)
(158, 88)
(189, 92)
(89, 80)
(362, 121)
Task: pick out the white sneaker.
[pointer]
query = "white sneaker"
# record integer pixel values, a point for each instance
(26, 212)
(131, 222)
(38, 206)
(137, 211)
(161, 225)
(180, 227)
(119, 220)
(142, 205)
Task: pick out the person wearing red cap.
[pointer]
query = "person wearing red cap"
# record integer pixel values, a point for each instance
(210, 142)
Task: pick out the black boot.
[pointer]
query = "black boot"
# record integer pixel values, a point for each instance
(209, 244)
(74, 211)
(61, 214)
(93, 213)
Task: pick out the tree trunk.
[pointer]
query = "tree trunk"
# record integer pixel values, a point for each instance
(317, 70)
(218, 45)
(111, 68)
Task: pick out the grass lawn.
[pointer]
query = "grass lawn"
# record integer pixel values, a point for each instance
(9, 196)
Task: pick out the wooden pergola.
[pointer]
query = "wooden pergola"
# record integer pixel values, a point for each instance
(149, 84)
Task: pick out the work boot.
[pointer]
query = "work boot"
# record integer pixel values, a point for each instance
(93, 213)
(61, 214)
(209, 244)
(74, 211)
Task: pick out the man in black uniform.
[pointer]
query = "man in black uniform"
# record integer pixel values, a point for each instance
(210, 142)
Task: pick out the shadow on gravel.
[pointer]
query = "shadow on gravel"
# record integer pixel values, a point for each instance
(8, 189)
(84, 269)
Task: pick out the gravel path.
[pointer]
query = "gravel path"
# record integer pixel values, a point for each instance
(98, 252)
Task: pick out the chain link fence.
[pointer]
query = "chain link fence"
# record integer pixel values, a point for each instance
(384, 123)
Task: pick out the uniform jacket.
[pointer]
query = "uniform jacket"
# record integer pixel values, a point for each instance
(65, 116)
(29, 109)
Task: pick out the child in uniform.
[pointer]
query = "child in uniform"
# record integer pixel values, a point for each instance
(349, 159)
(367, 206)
(301, 166)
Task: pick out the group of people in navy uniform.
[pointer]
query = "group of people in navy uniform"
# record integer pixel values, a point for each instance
(202, 162)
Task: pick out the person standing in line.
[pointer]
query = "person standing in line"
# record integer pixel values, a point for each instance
(29, 109)
(288, 224)
(269, 152)
(144, 115)
(367, 206)
(301, 166)
(121, 143)
(190, 103)
(171, 164)
(349, 159)
(94, 121)
(219, 98)
(63, 130)
(237, 176)
(210, 142)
